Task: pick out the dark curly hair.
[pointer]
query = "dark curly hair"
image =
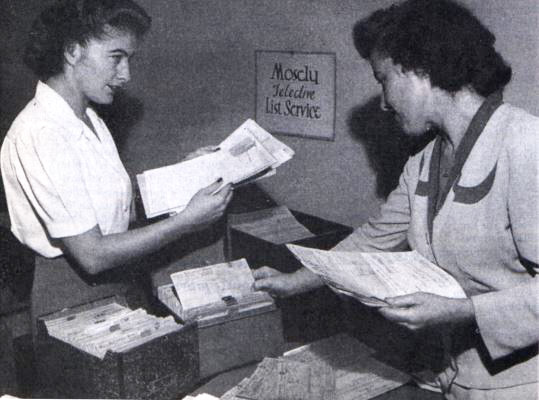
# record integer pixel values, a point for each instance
(67, 22)
(439, 38)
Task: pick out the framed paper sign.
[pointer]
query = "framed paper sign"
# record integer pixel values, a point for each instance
(295, 93)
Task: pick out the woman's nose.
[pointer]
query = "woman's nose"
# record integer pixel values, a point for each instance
(124, 74)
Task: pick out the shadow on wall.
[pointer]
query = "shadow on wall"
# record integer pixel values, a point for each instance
(121, 116)
(387, 146)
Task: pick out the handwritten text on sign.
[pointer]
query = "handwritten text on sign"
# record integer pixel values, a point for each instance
(296, 93)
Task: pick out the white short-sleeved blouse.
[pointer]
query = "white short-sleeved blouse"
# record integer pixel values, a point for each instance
(60, 179)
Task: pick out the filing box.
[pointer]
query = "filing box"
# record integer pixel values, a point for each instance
(162, 368)
(234, 334)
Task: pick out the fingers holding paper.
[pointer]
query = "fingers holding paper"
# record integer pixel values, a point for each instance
(276, 283)
(209, 203)
(421, 310)
(265, 272)
(280, 284)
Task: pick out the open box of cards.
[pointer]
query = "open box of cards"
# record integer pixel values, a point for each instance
(106, 350)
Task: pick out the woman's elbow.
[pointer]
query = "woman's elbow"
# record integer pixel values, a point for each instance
(89, 252)
(91, 263)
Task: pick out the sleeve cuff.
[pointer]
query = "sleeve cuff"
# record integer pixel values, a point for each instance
(63, 229)
(507, 320)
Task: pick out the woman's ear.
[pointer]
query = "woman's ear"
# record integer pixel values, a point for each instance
(72, 53)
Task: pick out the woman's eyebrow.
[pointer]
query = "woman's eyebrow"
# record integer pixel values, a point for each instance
(122, 51)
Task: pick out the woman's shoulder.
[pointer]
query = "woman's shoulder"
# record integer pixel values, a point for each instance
(518, 131)
(518, 125)
(34, 123)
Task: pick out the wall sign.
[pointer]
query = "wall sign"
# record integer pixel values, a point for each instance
(295, 93)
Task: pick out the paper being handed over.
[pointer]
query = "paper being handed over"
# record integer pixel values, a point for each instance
(371, 277)
(247, 154)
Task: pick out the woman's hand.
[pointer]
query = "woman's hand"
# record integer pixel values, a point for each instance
(201, 152)
(206, 206)
(279, 284)
(421, 310)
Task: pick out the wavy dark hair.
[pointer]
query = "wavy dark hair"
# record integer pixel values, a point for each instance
(439, 38)
(67, 22)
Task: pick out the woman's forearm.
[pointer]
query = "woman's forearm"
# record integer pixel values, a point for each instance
(96, 252)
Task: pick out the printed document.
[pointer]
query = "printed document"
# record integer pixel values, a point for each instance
(358, 375)
(371, 277)
(285, 379)
(248, 154)
(336, 368)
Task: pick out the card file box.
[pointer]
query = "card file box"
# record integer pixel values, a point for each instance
(162, 368)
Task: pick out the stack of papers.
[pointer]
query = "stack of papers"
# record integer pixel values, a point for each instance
(338, 367)
(110, 327)
(358, 374)
(248, 154)
(210, 291)
(285, 379)
(372, 277)
(276, 225)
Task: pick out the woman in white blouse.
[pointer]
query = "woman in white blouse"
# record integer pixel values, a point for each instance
(69, 196)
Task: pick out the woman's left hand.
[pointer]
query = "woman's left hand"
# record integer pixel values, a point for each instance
(421, 310)
(201, 152)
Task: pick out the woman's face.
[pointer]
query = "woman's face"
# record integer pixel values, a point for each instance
(407, 95)
(103, 66)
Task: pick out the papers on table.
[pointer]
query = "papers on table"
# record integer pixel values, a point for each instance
(284, 379)
(371, 277)
(339, 367)
(276, 225)
(248, 154)
(109, 327)
(358, 375)
(214, 288)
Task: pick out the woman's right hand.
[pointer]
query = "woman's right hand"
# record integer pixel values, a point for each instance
(280, 284)
(206, 206)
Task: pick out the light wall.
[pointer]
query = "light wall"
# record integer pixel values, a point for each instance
(195, 75)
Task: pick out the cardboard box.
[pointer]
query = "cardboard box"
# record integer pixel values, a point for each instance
(241, 334)
(162, 368)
